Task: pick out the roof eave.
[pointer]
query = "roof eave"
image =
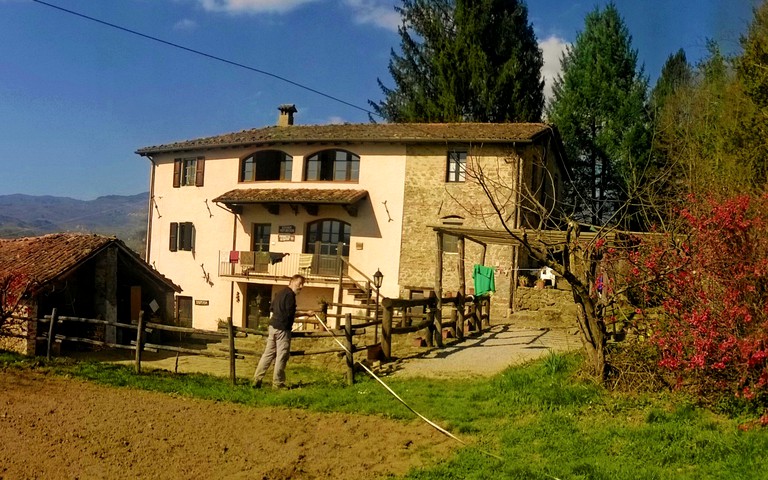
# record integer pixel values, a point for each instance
(147, 151)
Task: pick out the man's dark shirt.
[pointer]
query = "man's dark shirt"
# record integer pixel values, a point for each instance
(283, 310)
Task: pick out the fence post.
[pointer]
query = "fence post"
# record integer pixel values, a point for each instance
(386, 331)
(324, 312)
(461, 317)
(350, 358)
(431, 324)
(139, 335)
(455, 319)
(231, 335)
(438, 329)
(50, 334)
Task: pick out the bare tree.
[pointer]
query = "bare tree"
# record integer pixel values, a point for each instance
(532, 217)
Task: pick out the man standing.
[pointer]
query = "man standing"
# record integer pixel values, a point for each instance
(279, 340)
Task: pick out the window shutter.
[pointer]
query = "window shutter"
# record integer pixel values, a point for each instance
(174, 235)
(200, 171)
(187, 236)
(177, 173)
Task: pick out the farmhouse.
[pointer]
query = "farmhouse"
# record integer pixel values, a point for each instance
(81, 275)
(233, 216)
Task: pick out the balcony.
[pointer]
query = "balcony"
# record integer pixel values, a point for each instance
(244, 264)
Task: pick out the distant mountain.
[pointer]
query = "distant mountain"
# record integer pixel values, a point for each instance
(124, 216)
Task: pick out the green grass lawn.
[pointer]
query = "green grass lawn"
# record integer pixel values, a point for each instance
(540, 418)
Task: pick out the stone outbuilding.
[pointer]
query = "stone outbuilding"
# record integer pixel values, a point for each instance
(82, 275)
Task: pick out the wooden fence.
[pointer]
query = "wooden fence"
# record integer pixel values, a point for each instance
(396, 318)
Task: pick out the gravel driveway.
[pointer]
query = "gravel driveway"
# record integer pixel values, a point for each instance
(490, 353)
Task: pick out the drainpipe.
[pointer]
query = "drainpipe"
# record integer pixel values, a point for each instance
(234, 213)
(150, 210)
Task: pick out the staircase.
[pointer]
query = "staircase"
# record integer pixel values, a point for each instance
(363, 292)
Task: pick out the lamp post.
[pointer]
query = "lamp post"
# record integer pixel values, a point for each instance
(378, 277)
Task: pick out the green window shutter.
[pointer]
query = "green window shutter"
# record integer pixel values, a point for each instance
(174, 236)
(177, 173)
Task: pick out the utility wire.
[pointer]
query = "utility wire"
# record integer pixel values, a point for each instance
(208, 55)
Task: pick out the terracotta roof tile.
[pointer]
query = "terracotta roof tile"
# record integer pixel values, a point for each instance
(364, 133)
(43, 259)
(292, 195)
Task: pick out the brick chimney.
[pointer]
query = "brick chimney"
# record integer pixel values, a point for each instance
(286, 114)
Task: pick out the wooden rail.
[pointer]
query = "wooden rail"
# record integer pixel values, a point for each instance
(472, 310)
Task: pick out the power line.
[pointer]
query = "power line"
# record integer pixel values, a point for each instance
(207, 55)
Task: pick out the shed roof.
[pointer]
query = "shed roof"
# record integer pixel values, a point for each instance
(365, 133)
(46, 258)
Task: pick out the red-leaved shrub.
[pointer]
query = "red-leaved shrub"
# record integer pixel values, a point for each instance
(710, 280)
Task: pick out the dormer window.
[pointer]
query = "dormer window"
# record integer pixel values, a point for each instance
(266, 165)
(332, 166)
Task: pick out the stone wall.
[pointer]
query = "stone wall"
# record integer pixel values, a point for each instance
(430, 200)
(552, 304)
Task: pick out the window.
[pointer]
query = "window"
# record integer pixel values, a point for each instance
(188, 171)
(260, 238)
(324, 236)
(457, 166)
(182, 236)
(266, 165)
(450, 243)
(332, 166)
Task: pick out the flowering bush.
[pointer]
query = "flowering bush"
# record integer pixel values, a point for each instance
(13, 286)
(711, 282)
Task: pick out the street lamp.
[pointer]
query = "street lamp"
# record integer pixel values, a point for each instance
(378, 277)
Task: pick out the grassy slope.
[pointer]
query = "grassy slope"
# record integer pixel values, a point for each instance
(544, 423)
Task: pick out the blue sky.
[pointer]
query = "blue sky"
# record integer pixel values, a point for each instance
(77, 98)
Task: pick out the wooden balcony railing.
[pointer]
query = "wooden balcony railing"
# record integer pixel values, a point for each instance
(246, 264)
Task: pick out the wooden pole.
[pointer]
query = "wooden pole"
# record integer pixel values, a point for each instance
(50, 334)
(350, 358)
(231, 335)
(461, 260)
(486, 317)
(460, 318)
(386, 332)
(438, 324)
(139, 346)
(431, 324)
(438, 292)
(455, 320)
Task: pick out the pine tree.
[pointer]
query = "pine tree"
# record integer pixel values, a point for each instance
(676, 73)
(599, 106)
(464, 60)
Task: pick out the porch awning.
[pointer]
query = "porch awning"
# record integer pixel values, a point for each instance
(545, 238)
(309, 198)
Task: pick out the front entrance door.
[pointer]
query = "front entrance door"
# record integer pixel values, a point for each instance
(257, 302)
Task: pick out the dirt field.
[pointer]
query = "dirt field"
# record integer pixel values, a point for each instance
(56, 428)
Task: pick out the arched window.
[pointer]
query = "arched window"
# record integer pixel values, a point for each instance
(266, 165)
(325, 236)
(332, 166)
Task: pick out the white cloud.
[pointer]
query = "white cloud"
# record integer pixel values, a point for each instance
(334, 120)
(185, 24)
(252, 6)
(552, 49)
(380, 13)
